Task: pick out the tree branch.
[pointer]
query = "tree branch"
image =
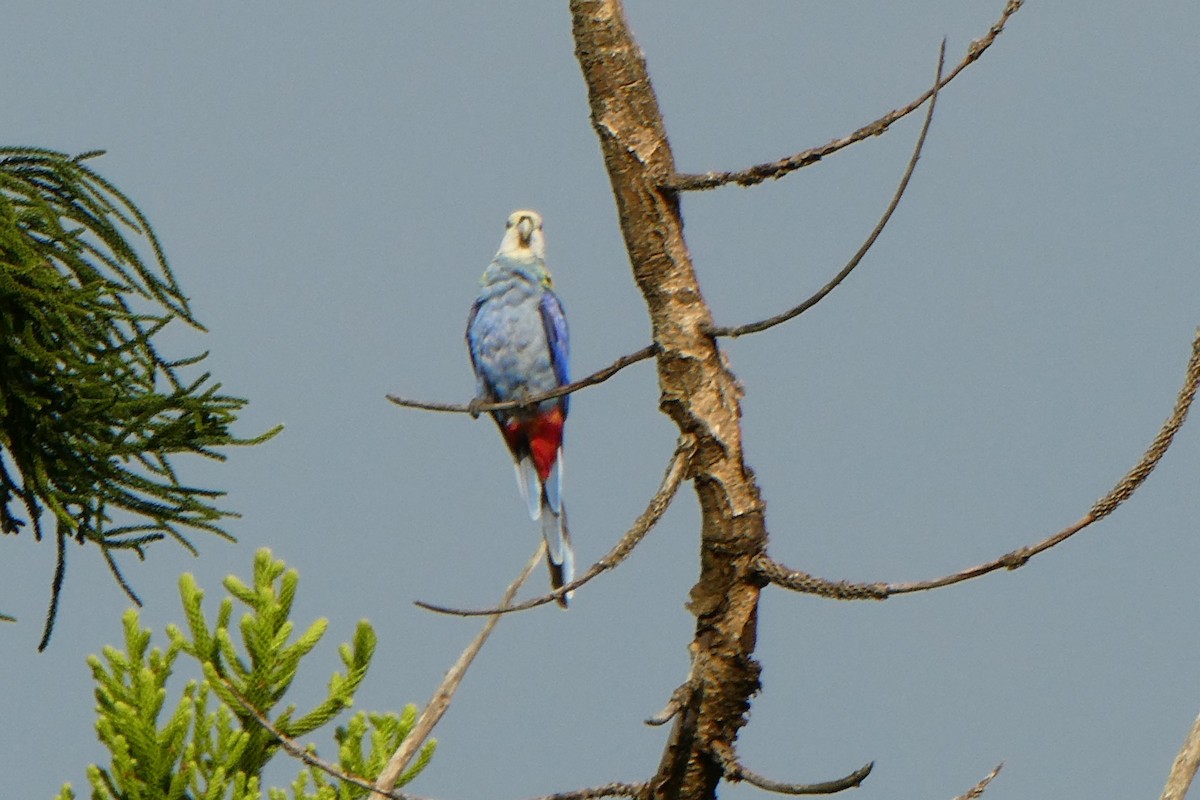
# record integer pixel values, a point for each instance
(762, 325)
(676, 703)
(676, 471)
(475, 408)
(976, 791)
(1184, 767)
(306, 754)
(635, 790)
(800, 581)
(777, 169)
(444, 694)
(734, 771)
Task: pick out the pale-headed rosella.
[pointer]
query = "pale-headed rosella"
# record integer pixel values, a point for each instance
(517, 335)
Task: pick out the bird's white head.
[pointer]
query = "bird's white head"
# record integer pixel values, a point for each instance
(523, 236)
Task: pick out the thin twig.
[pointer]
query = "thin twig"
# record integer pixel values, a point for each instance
(777, 169)
(444, 694)
(677, 469)
(762, 325)
(1184, 767)
(308, 754)
(477, 408)
(976, 791)
(735, 771)
(425, 724)
(800, 581)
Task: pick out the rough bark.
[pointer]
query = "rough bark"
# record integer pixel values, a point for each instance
(698, 392)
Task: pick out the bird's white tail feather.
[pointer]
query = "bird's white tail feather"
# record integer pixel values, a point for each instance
(553, 485)
(560, 556)
(530, 485)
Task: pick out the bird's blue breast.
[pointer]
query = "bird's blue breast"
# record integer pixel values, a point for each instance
(509, 344)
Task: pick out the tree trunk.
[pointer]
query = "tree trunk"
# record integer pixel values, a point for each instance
(698, 392)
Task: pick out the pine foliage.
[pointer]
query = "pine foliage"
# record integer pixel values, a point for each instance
(90, 411)
(210, 743)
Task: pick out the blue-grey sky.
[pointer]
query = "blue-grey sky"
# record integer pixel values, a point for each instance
(329, 180)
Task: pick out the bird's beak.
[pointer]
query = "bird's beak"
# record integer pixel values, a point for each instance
(525, 231)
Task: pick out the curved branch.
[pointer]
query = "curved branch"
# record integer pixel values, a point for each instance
(734, 771)
(762, 325)
(977, 790)
(476, 407)
(777, 169)
(440, 702)
(677, 469)
(676, 703)
(800, 581)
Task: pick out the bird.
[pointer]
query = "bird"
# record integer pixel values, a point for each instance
(519, 345)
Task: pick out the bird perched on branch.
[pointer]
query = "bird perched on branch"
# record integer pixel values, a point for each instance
(517, 335)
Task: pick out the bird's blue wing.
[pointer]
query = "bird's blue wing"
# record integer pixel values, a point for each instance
(557, 339)
(484, 389)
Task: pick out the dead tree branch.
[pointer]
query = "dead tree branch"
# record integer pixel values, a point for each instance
(676, 471)
(800, 581)
(777, 169)
(770, 322)
(676, 703)
(476, 408)
(735, 771)
(976, 791)
(641, 791)
(308, 754)
(444, 694)
(1183, 770)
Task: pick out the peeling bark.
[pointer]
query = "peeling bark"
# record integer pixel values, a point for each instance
(698, 392)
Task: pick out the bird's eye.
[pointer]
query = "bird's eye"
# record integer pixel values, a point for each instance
(508, 224)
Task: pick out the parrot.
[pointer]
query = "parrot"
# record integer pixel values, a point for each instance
(519, 346)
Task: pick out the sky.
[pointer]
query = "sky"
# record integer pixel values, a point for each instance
(330, 180)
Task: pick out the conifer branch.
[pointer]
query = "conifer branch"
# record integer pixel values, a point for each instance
(90, 412)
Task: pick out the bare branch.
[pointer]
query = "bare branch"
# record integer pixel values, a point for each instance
(677, 469)
(976, 791)
(762, 325)
(476, 408)
(777, 169)
(444, 694)
(800, 581)
(308, 754)
(734, 771)
(636, 790)
(1184, 767)
(678, 700)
